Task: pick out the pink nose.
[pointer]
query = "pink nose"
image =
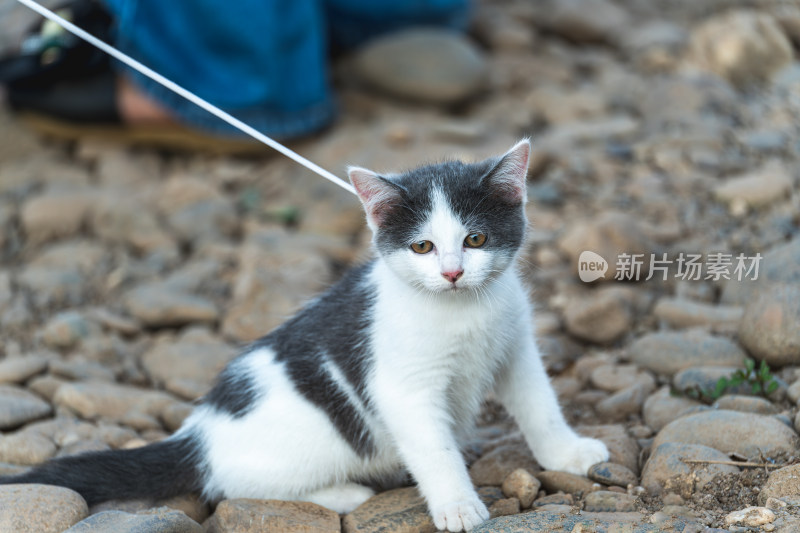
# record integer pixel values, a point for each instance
(452, 276)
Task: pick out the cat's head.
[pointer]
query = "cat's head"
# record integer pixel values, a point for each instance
(448, 227)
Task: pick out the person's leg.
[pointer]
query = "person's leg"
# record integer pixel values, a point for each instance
(353, 22)
(263, 61)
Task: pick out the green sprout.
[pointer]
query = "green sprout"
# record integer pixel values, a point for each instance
(760, 382)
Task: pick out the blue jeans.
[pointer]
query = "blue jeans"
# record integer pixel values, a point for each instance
(263, 61)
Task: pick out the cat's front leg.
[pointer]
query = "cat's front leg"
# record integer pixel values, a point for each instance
(427, 446)
(524, 389)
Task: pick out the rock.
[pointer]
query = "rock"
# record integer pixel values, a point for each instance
(45, 386)
(256, 516)
(55, 215)
(544, 521)
(189, 504)
(622, 449)
(782, 483)
(429, 65)
(729, 431)
(61, 273)
(39, 508)
(743, 46)
(746, 404)
(669, 352)
(81, 370)
(65, 330)
(558, 105)
(18, 406)
(663, 407)
(162, 519)
(196, 356)
(680, 313)
(602, 317)
(703, 378)
(612, 474)
(613, 378)
(174, 414)
(607, 501)
(621, 404)
(114, 322)
(20, 369)
(760, 188)
(554, 500)
(522, 485)
(769, 327)
(665, 464)
(504, 507)
(400, 510)
(277, 274)
(155, 305)
(609, 235)
(553, 481)
(780, 264)
(764, 141)
(493, 467)
(587, 22)
(566, 135)
(110, 400)
(121, 219)
(195, 210)
(750, 517)
(26, 448)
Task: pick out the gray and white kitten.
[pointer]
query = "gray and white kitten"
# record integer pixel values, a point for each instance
(381, 375)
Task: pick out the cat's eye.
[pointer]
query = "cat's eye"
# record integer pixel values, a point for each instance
(475, 240)
(422, 247)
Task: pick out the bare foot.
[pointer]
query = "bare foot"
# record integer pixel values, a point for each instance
(137, 108)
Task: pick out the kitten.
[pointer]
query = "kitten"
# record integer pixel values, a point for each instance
(381, 375)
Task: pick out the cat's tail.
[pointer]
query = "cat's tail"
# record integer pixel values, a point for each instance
(160, 470)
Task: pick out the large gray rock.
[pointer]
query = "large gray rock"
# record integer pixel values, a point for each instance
(666, 463)
(670, 352)
(769, 328)
(430, 65)
(18, 406)
(748, 434)
(543, 521)
(265, 516)
(39, 508)
(162, 519)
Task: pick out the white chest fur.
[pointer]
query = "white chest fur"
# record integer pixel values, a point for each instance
(445, 347)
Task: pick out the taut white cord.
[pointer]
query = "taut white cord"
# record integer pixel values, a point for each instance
(158, 78)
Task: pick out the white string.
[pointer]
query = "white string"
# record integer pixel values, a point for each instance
(158, 78)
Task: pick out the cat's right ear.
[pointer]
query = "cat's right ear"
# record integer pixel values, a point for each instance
(376, 193)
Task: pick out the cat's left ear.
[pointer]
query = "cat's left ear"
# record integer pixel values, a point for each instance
(377, 194)
(509, 175)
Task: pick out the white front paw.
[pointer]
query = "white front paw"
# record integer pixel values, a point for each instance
(460, 515)
(575, 456)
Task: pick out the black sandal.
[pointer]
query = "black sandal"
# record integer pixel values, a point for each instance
(63, 87)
